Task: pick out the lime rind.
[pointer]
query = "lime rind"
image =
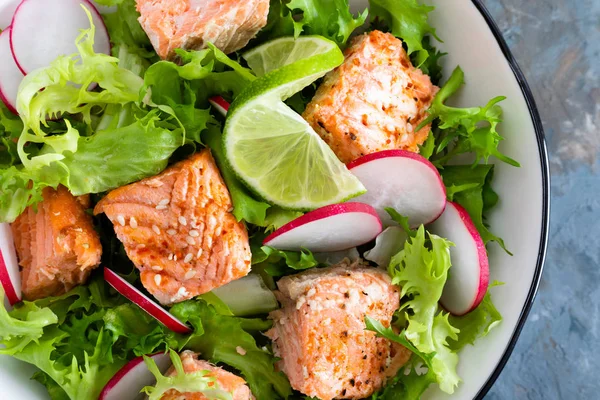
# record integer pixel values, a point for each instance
(274, 151)
(285, 51)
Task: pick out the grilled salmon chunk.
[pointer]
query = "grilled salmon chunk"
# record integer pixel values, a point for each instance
(319, 333)
(178, 229)
(224, 380)
(190, 24)
(57, 245)
(374, 101)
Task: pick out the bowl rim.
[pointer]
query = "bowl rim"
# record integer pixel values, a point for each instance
(544, 166)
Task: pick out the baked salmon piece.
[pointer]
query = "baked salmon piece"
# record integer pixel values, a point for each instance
(374, 101)
(190, 24)
(57, 246)
(319, 333)
(178, 229)
(225, 380)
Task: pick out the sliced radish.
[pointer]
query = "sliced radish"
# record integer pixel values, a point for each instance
(45, 29)
(469, 275)
(10, 75)
(387, 244)
(330, 228)
(133, 377)
(144, 302)
(402, 180)
(7, 10)
(220, 104)
(10, 275)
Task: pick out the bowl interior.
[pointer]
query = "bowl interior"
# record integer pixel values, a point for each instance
(519, 217)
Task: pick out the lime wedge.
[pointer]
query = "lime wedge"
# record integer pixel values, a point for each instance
(274, 150)
(284, 51)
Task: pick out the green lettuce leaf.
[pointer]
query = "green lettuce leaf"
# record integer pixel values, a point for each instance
(470, 186)
(69, 338)
(115, 157)
(409, 384)
(421, 270)
(406, 19)
(470, 130)
(331, 19)
(476, 324)
(278, 262)
(217, 337)
(182, 382)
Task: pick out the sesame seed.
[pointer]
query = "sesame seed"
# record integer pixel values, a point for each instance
(171, 232)
(133, 222)
(157, 279)
(193, 224)
(190, 274)
(190, 240)
(182, 220)
(56, 213)
(164, 202)
(161, 207)
(199, 253)
(155, 229)
(188, 257)
(182, 292)
(240, 350)
(194, 233)
(409, 127)
(86, 246)
(121, 220)
(175, 257)
(170, 256)
(230, 209)
(157, 268)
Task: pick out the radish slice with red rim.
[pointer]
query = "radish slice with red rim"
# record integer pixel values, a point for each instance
(10, 275)
(42, 30)
(145, 302)
(330, 228)
(402, 180)
(7, 10)
(10, 74)
(128, 382)
(220, 104)
(469, 275)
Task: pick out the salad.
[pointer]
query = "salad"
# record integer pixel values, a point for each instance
(240, 200)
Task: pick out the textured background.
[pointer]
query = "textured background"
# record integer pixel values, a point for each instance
(557, 44)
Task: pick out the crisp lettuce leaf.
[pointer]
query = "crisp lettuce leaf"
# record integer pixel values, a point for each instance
(279, 262)
(68, 339)
(406, 19)
(331, 19)
(469, 130)
(217, 337)
(115, 157)
(125, 30)
(409, 384)
(421, 270)
(476, 324)
(470, 186)
(182, 382)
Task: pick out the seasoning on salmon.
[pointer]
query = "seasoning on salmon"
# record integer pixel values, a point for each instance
(319, 333)
(224, 380)
(57, 246)
(178, 230)
(374, 101)
(190, 24)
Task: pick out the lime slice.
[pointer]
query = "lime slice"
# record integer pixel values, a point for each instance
(274, 150)
(284, 51)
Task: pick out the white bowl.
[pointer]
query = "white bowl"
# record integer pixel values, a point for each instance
(473, 41)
